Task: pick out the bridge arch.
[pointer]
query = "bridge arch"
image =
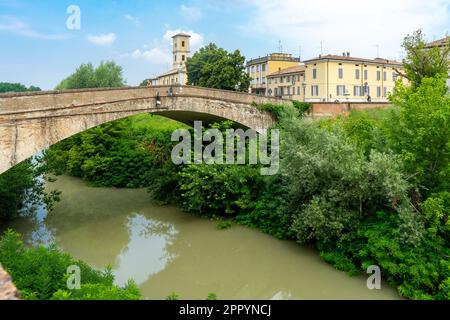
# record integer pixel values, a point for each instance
(30, 122)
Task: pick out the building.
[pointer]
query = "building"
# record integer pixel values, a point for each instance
(344, 78)
(260, 68)
(287, 83)
(178, 73)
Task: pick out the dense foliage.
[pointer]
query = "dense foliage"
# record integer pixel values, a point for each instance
(214, 67)
(124, 153)
(106, 75)
(40, 273)
(16, 87)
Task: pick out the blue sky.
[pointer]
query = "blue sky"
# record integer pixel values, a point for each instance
(37, 48)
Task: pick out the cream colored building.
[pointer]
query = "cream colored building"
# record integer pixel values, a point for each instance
(258, 69)
(287, 83)
(180, 51)
(344, 78)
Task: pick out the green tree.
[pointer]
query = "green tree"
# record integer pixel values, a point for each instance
(106, 75)
(144, 83)
(419, 130)
(422, 62)
(214, 67)
(16, 87)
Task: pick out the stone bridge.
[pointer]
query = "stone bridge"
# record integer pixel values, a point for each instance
(31, 122)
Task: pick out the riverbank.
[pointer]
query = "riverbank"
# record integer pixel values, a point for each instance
(165, 250)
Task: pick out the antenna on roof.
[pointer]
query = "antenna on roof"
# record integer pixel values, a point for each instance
(300, 53)
(378, 50)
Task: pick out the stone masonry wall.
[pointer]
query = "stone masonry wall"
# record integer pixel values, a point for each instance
(7, 289)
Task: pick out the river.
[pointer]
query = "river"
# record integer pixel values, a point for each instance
(165, 250)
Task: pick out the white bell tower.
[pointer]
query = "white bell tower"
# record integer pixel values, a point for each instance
(181, 49)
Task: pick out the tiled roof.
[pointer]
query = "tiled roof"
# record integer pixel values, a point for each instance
(439, 43)
(182, 34)
(289, 70)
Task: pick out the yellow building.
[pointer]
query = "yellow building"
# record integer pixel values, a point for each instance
(180, 51)
(344, 78)
(260, 68)
(287, 83)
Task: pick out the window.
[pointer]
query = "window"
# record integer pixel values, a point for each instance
(281, 79)
(289, 91)
(314, 73)
(340, 90)
(281, 91)
(276, 92)
(378, 91)
(298, 91)
(175, 58)
(264, 67)
(340, 73)
(384, 92)
(378, 75)
(276, 80)
(269, 81)
(384, 76)
(314, 91)
(366, 74)
(182, 44)
(366, 90)
(183, 57)
(357, 91)
(288, 79)
(356, 73)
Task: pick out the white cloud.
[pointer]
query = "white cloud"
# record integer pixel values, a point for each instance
(159, 52)
(346, 25)
(102, 39)
(134, 20)
(13, 25)
(191, 14)
(154, 55)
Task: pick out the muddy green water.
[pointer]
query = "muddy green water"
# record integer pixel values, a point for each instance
(165, 250)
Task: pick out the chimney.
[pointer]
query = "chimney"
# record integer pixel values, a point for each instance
(348, 54)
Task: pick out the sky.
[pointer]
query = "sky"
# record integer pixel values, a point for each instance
(41, 43)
